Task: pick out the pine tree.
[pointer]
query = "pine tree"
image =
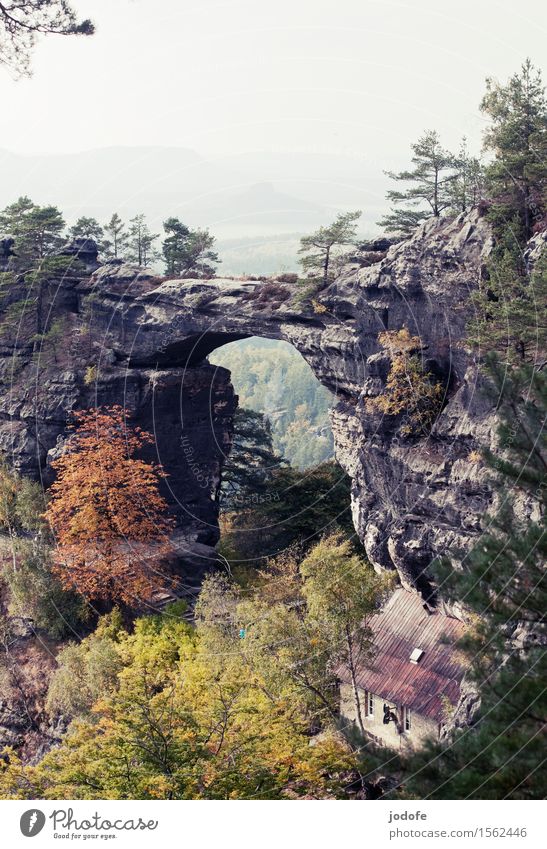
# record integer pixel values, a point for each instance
(296, 509)
(174, 246)
(503, 581)
(188, 253)
(318, 249)
(430, 191)
(87, 228)
(511, 303)
(115, 230)
(511, 306)
(22, 21)
(140, 242)
(251, 461)
(201, 258)
(36, 229)
(467, 188)
(517, 178)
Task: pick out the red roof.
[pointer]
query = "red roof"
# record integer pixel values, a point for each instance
(404, 625)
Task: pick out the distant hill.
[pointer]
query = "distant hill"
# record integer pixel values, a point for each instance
(257, 193)
(245, 200)
(259, 254)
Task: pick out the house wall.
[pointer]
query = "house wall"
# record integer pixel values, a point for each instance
(422, 728)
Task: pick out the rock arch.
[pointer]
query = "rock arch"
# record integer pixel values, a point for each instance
(149, 340)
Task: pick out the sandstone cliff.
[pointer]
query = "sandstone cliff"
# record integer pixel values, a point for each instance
(120, 334)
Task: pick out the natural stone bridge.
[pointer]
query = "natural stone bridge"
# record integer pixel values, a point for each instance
(149, 341)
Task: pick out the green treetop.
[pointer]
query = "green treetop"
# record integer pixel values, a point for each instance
(502, 582)
(317, 249)
(36, 229)
(430, 190)
(87, 228)
(517, 136)
(22, 21)
(140, 242)
(117, 236)
(188, 253)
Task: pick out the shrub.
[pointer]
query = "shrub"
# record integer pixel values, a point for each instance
(410, 390)
(87, 671)
(90, 375)
(318, 307)
(308, 289)
(34, 593)
(270, 293)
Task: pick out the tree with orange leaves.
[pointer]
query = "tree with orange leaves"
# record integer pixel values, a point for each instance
(106, 512)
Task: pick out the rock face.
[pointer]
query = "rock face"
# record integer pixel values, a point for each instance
(128, 337)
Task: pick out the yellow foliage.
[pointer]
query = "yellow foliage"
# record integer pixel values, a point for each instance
(409, 388)
(90, 375)
(399, 341)
(187, 722)
(318, 307)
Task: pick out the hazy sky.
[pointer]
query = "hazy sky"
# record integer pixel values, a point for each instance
(360, 77)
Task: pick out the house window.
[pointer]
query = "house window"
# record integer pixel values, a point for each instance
(370, 703)
(407, 721)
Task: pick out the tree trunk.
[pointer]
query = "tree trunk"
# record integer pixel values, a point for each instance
(326, 267)
(436, 194)
(351, 664)
(527, 222)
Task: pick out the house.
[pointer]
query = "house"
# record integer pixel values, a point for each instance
(408, 686)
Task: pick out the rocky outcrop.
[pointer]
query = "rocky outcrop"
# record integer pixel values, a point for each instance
(134, 339)
(26, 664)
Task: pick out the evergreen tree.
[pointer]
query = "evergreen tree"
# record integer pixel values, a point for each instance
(87, 228)
(318, 249)
(511, 305)
(517, 178)
(467, 188)
(13, 217)
(431, 186)
(22, 21)
(174, 246)
(188, 253)
(115, 230)
(45, 224)
(503, 582)
(36, 229)
(201, 258)
(296, 508)
(251, 461)
(140, 242)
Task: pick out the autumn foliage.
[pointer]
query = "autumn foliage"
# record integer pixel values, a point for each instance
(410, 390)
(106, 512)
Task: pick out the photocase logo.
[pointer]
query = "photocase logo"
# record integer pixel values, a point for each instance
(32, 822)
